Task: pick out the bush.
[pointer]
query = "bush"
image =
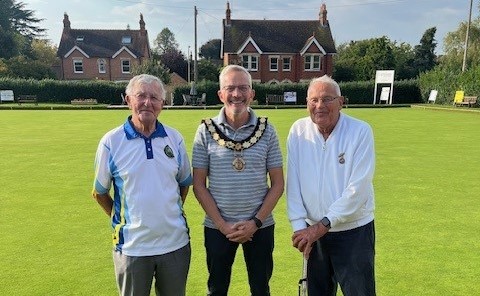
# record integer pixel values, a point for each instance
(60, 91)
(447, 82)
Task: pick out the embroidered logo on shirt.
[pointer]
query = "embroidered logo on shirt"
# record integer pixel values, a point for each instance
(341, 160)
(168, 151)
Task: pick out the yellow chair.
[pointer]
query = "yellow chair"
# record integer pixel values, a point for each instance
(459, 94)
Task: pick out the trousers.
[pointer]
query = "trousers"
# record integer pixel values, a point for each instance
(257, 255)
(344, 258)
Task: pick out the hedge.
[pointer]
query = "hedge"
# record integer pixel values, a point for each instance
(106, 92)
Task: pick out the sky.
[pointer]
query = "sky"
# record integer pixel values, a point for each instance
(399, 20)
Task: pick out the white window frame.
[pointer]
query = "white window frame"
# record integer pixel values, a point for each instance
(289, 63)
(273, 61)
(250, 62)
(102, 66)
(124, 66)
(77, 62)
(313, 62)
(126, 39)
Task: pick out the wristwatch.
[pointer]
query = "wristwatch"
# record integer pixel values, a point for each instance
(257, 222)
(325, 222)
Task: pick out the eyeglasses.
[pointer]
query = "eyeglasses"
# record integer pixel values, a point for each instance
(324, 100)
(142, 98)
(241, 88)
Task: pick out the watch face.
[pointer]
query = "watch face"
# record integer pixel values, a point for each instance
(325, 222)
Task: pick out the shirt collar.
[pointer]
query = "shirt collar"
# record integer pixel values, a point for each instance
(132, 133)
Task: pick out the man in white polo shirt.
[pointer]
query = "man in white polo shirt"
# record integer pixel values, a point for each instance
(331, 162)
(147, 164)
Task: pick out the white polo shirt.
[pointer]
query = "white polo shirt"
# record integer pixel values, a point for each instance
(146, 174)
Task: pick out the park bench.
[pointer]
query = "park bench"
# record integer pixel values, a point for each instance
(27, 99)
(467, 101)
(274, 99)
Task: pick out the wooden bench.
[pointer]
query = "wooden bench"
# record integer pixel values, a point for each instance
(467, 101)
(274, 99)
(84, 102)
(27, 99)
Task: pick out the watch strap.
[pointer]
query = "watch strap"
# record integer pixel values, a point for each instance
(257, 222)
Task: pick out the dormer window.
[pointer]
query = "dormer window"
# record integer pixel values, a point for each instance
(126, 39)
(80, 38)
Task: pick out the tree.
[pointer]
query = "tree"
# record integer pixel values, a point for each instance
(23, 67)
(359, 60)
(175, 61)
(165, 42)
(208, 70)
(454, 46)
(44, 51)
(424, 53)
(153, 67)
(211, 49)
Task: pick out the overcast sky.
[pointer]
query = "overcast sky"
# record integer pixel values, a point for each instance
(399, 20)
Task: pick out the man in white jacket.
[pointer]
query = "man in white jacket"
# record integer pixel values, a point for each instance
(331, 163)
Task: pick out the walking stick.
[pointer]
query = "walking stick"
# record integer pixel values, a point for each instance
(302, 283)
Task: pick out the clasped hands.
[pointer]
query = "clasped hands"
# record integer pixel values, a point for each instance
(239, 232)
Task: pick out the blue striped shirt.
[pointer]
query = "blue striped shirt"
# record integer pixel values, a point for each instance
(238, 194)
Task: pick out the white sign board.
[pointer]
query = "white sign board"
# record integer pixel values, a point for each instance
(290, 97)
(384, 76)
(385, 94)
(6, 96)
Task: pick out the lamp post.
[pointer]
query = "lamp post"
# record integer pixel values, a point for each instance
(189, 58)
(466, 38)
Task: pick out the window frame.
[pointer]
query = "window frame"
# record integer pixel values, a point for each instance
(77, 64)
(289, 63)
(310, 62)
(272, 63)
(102, 63)
(122, 66)
(250, 62)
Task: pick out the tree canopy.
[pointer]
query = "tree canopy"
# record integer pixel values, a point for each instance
(165, 42)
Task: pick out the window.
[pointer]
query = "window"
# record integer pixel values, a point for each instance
(101, 66)
(273, 63)
(126, 39)
(250, 62)
(77, 66)
(79, 38)
(286, 66)
(312, 62)
(126, 66)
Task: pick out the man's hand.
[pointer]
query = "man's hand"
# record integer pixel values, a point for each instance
(242, 231)
(304, 239)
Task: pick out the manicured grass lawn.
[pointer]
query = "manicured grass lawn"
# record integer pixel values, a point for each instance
(55, 240)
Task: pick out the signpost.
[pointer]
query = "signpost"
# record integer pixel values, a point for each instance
(384, 77)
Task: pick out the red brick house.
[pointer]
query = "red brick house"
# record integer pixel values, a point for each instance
(101, 54)
(276, 51)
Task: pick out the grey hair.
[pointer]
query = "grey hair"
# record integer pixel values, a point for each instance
(328, 80)
(235, 68)
(145, 79)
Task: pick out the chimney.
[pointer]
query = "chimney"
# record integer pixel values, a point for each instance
(143, 32)
(228, 21)
(323, 15)
(66, 22)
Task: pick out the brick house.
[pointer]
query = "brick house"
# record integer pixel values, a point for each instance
(101, 54)
(279, 51)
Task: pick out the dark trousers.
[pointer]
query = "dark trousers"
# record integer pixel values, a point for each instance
(345, 258)
(258, 258)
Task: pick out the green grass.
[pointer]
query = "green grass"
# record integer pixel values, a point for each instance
(55, 239)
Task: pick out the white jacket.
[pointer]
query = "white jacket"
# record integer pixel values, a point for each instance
(331, 178)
